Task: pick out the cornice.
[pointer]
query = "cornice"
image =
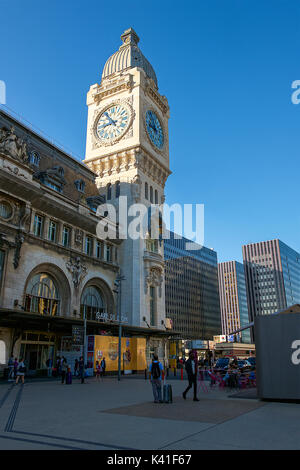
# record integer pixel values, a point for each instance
(136, 158)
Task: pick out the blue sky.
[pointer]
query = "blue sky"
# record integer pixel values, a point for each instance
(226, 68)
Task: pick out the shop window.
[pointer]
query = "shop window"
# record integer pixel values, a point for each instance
(92, 302)
(42, 295)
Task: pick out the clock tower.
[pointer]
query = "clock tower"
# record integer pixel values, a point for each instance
(128, 148)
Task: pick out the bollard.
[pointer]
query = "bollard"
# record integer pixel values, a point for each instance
(181, 374)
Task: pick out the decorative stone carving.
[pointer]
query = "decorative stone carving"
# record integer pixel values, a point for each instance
(77, 269)
(12, 145)
(19, 240)
(78, 237)
(154, 278)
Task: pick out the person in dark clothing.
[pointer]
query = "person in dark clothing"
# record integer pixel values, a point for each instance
(191, 369)
(64, 368)
(76, 367)
(103, 365)
(81, 369)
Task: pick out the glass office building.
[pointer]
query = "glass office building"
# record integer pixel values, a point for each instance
(191, 289)
(233, 299)
(272, 272)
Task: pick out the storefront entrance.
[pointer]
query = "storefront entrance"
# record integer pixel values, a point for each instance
(36, 348)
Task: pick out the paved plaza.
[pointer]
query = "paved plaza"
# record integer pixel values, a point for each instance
(112, 415)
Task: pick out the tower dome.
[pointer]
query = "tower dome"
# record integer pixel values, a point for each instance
(128, 56)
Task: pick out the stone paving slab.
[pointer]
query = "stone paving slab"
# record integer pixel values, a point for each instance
(206, 410)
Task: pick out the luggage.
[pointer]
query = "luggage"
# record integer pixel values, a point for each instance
(69, 378)
(167, 394)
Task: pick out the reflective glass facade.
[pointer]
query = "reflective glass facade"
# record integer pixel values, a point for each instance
(233, 299)
(243, 305)
(191, 288)
(272, 277)
(290, 262)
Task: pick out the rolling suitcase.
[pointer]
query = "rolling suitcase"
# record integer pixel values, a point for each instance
(167, 394)
(69, 378)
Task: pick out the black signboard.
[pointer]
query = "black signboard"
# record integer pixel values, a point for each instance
(77, 334)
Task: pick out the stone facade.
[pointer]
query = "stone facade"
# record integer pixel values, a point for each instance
(30, 247)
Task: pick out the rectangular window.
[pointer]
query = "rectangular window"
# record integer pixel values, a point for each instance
(1, 265)
(152, 306)
(38, 225)
(108, 253)
(66, 236)
(88, 246)
(52, 231)
(99, 249)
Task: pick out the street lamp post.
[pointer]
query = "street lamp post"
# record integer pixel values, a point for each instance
(118, 290)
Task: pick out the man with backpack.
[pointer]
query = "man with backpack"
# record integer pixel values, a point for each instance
(156, 370)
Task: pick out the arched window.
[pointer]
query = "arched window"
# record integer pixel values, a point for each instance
(42, 295)
(92, 302)
(151, 194)
(146, 190)
(108, 189)
(156, 197)
(117, 189)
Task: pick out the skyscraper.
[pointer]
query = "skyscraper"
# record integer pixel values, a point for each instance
(192, 294)
(272, 271)
(233, 298)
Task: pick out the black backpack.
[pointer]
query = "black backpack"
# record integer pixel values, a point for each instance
(155, 371)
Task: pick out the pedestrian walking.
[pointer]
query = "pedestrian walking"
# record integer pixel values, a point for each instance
(156, 371)
(11, 369)
(58, 366)
(81, 369)
(98, 371)
(64, 368)
(49, 366)
(69, 376)
(191, 369)
(103, 366)
(76, 367)
(21, 371)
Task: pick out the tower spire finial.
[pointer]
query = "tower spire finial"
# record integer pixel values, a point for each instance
(130, 37)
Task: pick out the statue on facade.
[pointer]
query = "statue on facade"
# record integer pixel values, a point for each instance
(12, 145)
(77, 269)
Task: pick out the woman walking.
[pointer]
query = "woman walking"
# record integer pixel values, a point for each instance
(21, 371)
(64, 368)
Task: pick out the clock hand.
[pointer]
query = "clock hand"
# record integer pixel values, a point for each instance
(110, 119)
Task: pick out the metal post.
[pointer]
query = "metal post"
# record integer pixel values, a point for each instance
(120, 326)
(84, 338)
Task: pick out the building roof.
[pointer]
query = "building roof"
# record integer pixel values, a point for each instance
(128, 56)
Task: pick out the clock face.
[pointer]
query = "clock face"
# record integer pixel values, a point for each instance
(113, 122)
(154, 129)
